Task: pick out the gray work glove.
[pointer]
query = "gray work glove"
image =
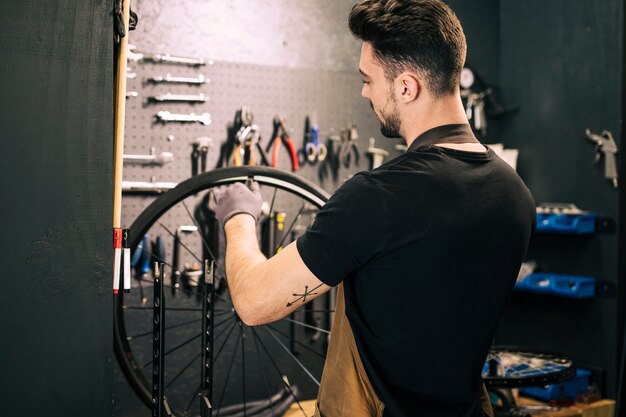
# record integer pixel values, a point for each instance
(237, 199)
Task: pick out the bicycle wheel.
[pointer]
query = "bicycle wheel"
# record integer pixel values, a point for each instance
(508, 366)
(256, 370)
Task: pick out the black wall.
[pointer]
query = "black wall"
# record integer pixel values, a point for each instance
(56, 80)
(561, 63)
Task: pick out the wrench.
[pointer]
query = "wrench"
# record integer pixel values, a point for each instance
(135, 55)
(166, 117)
(151, 159)
(168, 78)
(189, 98)
(170, 59)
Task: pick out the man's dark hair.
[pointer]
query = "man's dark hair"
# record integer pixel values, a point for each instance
(424, 36)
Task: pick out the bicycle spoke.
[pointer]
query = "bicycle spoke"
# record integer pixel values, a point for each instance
(193, 397)
(299, 323)
(189, 292)
(186, 342)
(129, 338)
(295, 341)
(220, 311)
(231, 328)
(267, 388)
(273, 200)
(167, 308)
(182, 371)
(158, 258)
(186, 248)
(294, 357)
(280, 374)
(293, 223)
(204, 242)
(181, 243)
(196, 357)
(230, 368)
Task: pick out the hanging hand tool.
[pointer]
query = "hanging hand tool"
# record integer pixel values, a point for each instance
(199, 155)
(147, 187)
(605, 144)
(170, 59)
(141, 263)
(178, 98)
(349, 139)
(475, 111)
(247, 140)
(135, 55)
(480, 100)
(204, 153)
(281, 135)
(168, 78)
(377, 155)
(152, 159)
(313, 150)
(330, 166)
(195, 155)
(176, 271)
(167, 117)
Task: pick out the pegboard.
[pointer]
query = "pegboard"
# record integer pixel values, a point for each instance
(332, 96)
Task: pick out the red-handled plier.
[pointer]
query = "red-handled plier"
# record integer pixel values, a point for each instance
(281, 135)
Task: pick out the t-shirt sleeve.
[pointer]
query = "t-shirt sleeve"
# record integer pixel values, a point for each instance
(346, 233)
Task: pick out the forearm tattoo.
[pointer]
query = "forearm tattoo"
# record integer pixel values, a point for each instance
(306, 293)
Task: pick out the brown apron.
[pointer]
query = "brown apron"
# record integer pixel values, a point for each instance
(345, 390)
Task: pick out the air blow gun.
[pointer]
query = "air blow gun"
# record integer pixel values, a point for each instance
(605, 143)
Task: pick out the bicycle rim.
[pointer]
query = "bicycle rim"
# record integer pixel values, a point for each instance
(132, 366)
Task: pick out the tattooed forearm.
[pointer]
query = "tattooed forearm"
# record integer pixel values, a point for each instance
(306, 293)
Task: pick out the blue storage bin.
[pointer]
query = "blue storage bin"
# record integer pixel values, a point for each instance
(570, 286)
(567, 390)
(566, 223)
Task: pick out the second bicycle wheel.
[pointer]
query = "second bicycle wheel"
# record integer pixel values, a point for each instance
(509, 366)
(256, 371)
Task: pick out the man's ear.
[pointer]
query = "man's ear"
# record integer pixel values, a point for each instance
(408, 87)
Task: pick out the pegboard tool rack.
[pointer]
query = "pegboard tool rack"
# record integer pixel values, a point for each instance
(332, 96)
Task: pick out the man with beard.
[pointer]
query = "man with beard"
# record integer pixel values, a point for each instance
(425, 249)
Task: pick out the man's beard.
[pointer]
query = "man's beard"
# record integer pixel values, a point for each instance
(390, 127)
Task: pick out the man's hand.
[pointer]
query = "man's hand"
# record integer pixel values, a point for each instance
(238, 199)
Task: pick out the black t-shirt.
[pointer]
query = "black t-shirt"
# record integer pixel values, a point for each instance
(428, 247)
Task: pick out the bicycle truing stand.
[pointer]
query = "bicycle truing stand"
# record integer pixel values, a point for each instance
(160, 406)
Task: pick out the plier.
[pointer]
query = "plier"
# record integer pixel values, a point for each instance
(313, 150)
(349, 139)
(246, 140)
(281, 135)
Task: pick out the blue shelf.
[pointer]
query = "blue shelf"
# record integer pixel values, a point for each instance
(569, 286)
(579, 384)
(578, 224)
